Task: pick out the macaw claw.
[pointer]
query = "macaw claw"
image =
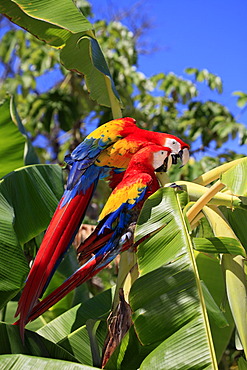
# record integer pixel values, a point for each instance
(175, 186)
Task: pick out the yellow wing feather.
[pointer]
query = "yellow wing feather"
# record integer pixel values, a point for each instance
(128, 193)
(119, 154)
(111, 130)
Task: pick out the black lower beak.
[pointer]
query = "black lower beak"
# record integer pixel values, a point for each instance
(174, 158)
(180, 155)
(163, 167)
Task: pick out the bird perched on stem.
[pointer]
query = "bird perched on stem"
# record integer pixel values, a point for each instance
(114, 232)
(108, 148)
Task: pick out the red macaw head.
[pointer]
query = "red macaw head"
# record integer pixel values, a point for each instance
(178, 147)
(162, 159)
(153, 156)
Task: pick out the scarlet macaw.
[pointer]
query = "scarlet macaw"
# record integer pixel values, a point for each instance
(109, 147)
(115, 229)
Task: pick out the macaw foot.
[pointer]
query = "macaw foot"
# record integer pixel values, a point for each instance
(175, 186)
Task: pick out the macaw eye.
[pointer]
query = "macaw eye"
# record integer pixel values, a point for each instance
(174, 142)
(162, 152)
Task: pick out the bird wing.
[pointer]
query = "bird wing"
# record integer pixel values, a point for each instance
(127, 194)
(92, 146)
(123, 198)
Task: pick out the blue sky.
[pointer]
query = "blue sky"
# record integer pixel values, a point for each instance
(193, 33)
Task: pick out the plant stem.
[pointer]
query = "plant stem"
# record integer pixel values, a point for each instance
(126, 265)
(214, 174)
(205, 198)
(196, 220)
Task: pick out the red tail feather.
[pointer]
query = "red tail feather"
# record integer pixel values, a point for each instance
(79, 277)
(93, 243)
(58, 236)
(87, 271)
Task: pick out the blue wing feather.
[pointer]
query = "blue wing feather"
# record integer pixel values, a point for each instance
(80, 182)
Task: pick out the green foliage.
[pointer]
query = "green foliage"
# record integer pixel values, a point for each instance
(167, 285)
(181, 277)
(242, 98)
(235, 178)
(211, 122)
(162, 102)
(35, 344)
(219, 245)
(28, 198)
(12, 141)
(49, 23)
(214, 283)
(213, 81)
(21, 361)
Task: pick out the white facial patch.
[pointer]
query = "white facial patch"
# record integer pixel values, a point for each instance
(159, 158)
(173, 144)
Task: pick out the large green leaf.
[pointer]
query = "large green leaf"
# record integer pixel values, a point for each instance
(242, 364)
(234, 273)
(70, 330)
(8, 316)
(36, 345)
(30, 157)
(237, 218)
(95, 308)
(79, 295)
(12, 142)
(17, 362)
(15, 146)
(155, 215)
(33, 192)
(89, 60)
(181, 350)
(86, 343)
(167, 300)
(236, 178)
(47, 20)
(78, 342)
(219, 245)
(211, 273)
(213, 309)
(13, 265)
(60, 24)
(28, 198)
